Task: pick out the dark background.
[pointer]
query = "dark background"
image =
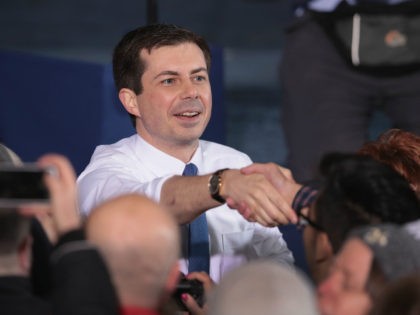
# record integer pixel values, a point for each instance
(98, 24)
(250, 33)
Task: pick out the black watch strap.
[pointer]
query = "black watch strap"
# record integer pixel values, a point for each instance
(215, 182)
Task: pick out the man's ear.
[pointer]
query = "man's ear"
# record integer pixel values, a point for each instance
(129, 100)
(173, 278)
(171, 283)
(25, 254)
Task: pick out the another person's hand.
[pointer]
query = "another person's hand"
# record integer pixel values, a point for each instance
(257, 195)
(62, 214)
(280, 177)
(189, 301)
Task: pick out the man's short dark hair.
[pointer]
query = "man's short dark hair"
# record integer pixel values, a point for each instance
(128, 67)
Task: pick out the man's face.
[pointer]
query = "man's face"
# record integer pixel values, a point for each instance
(344, 290)
(175, 105)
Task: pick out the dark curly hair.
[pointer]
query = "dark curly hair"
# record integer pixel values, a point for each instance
(359, 190)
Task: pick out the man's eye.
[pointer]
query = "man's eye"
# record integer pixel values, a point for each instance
(168, 81)
(200, 78)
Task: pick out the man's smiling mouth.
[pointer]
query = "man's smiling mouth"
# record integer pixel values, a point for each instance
(188, 114)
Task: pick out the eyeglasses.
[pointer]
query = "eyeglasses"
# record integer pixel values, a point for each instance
(304, 221)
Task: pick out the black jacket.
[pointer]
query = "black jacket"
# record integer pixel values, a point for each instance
(16, 297)
(81, 284)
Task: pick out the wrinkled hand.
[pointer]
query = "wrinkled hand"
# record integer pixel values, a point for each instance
(280, 177)
(62, 214)
(256, 197)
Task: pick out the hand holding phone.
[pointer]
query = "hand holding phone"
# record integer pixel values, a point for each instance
(23, 184)
(54, 202)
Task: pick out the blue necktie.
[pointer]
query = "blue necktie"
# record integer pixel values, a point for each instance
(198, 238)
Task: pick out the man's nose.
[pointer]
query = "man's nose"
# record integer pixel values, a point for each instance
(189, 90)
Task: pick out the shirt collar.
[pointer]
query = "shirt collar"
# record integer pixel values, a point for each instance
(161, 163)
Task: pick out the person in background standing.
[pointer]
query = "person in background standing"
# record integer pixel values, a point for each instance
(330, 89)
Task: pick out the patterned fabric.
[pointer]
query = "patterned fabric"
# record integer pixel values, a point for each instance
(304, 198)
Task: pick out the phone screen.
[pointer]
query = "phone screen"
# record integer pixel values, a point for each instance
(22, 184)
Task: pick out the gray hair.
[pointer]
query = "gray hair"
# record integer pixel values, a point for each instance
(263, 287)
(8, 156)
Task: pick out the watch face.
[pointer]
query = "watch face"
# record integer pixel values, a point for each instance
(214, 184)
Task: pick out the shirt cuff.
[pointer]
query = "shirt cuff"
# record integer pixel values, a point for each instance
(304, 198)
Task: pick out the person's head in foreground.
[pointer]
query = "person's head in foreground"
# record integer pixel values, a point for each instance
(357, 191)
(140, 243)
(370, 259)
(263, 287)
(15, 239)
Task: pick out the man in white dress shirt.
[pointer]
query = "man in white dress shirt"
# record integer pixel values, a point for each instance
(162, 75)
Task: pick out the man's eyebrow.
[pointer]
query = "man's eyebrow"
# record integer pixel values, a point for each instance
(170, 72)
(199, 70)
(166, 72)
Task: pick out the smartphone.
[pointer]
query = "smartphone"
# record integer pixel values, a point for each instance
(193, 287)
(22, 184)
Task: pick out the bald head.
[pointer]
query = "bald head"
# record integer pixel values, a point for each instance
(263, 287)
(140, 243)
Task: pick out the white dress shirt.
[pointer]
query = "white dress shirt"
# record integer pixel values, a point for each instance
(133, 165)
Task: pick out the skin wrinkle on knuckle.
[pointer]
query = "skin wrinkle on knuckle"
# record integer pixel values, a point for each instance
(266, 217)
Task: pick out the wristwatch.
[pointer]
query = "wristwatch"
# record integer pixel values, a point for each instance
(215, 182)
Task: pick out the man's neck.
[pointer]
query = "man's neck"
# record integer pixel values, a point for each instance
(182, 151)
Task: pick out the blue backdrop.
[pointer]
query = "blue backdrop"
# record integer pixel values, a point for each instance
(69, 107)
